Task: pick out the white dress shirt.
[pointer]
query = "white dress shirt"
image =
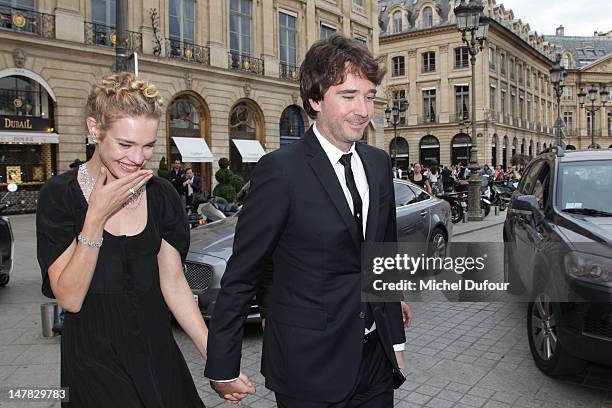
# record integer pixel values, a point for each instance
(334, 154)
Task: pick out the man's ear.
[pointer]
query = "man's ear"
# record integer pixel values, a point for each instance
(316, 106)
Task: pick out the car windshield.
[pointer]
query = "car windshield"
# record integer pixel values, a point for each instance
(584, 187)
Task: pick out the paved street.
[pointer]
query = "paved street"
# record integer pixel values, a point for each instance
(459, 354)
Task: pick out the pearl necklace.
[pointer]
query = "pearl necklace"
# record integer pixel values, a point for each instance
(87, 185)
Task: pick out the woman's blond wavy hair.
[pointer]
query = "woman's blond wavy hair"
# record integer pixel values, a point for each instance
(123, 95)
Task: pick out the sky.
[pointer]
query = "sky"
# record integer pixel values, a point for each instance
(579, 17)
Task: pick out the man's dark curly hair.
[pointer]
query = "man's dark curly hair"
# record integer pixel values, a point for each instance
(328, 62)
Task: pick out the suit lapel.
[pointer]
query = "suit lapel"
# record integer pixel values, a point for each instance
(372, 177)
(323, 169)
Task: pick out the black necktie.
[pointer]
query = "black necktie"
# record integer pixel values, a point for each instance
(345, 160)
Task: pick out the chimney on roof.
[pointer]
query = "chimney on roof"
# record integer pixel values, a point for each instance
(560, 31)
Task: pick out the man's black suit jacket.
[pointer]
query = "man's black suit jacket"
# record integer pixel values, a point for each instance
(297, 212)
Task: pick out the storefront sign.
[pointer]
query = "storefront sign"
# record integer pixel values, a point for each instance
(28, 137)
(26, 124)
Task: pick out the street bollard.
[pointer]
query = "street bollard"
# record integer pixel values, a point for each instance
(49, 314)
(464, 217)
(496, 210)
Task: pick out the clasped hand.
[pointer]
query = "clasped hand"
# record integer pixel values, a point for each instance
(234, 391)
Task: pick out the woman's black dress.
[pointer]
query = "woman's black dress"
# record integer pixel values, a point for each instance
(118, 351)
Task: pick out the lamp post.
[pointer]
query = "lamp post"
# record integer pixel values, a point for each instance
(399, 106)
(592, 94)
(557, 74)
(471, 20)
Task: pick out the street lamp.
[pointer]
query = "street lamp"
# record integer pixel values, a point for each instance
(472, 21)
(399, 106)
(592, 94)
(557, 74)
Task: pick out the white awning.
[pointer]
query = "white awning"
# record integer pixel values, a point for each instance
(193, 149)
(250, 150)
(29, 137)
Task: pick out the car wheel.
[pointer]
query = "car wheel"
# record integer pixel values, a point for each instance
(543, 319)
(438, 244)
(4, 279)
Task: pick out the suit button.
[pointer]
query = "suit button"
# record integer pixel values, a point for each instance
(362, 315)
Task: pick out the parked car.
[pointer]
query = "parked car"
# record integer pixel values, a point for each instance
(558, 253)
(421, 218)
(7, 242)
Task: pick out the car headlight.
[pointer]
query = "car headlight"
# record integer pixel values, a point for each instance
(589, 268)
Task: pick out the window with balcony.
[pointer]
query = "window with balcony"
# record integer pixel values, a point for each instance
(521, 73)
(609, 123)
(398, 66)
(513, 105)
(462, 57)
(326, 31)
(462, 102)
(492, 98)
(400, 95)
(529, 111)
(502, 63)
(429, 61)
(287, 41)
(397, 22)
(491, 59)
(427, 17)
(240, 26)
(503, 103)
(429, 105)
(528, 76)
(358, 6)
(521, 107)
(512, 69)
(568, 118)
(590, 117)
(567, 93)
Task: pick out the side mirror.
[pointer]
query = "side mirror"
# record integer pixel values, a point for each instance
(529, 204)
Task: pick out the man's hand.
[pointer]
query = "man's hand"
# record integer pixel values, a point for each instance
(234, 391)
(399, 356)
(407, 314)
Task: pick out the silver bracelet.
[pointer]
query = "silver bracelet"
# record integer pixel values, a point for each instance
(90, 243)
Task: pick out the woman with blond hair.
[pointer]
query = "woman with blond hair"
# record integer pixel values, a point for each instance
(111, 238)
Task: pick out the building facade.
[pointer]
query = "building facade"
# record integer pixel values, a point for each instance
(227, 69)
(587, 61)
(429, 67)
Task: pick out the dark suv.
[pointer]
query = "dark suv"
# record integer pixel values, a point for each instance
(558, 253)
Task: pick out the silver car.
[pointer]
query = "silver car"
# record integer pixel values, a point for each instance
(421, 218)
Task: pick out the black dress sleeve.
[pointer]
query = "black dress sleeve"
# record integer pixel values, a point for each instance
(55, 226)
(174, 225)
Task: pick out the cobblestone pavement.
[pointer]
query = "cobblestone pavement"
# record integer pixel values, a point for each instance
(458, 354)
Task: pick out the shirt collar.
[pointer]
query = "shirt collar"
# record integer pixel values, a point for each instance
(333, 153)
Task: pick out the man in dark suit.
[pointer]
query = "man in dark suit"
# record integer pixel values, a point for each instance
(192, 185)
(311, 206)
(177, 176)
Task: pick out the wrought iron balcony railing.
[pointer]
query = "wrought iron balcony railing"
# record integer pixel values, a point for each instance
(289, 72)
(186, 51)
(461, 117)
(27, 21)
(106, 36)
(424, 120)
(246, 63)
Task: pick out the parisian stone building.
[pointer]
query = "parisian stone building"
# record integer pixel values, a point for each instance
(227, 70)
(588, 65)
(429, 67)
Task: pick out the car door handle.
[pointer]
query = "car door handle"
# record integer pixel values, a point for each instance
(423, 213)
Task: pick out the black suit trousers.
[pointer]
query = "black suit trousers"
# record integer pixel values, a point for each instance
(373, 389)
